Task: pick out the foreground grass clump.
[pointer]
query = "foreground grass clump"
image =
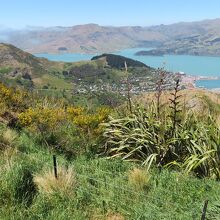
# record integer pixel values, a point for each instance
(48, 184)
(139, 178)
(9, 137)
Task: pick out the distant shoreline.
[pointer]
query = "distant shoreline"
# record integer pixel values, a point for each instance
(189, 81)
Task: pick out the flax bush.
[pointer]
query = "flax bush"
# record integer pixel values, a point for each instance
(193, 146)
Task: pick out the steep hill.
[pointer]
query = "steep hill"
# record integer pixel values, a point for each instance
(18, 67)
(13, 57)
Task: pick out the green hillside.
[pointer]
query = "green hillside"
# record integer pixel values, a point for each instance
(23, 69)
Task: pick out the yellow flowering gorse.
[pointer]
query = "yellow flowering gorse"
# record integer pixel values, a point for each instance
(44, 119)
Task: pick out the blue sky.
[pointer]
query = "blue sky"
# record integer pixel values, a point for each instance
(21, 13)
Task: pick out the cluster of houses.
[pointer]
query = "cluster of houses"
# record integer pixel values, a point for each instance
(136, 85)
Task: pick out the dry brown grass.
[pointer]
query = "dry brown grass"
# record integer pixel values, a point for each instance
(64, 184)
(9, 154)
(109, 216)
(139, 178)
(115, 217)
(9, 137)
(191, 99)
(8, 145)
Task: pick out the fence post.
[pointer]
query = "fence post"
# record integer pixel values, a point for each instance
(104, 206)
(55, 166)
(204, 210)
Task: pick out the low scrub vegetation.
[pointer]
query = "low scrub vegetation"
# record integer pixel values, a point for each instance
(111, 163)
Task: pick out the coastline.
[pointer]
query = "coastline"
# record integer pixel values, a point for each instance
(190, 81)
(217, 90)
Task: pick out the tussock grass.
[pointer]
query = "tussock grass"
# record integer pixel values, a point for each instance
(64, 184)
(109, 216)
(9, 137)
(139, 178)
(115, 217)
(9, 154)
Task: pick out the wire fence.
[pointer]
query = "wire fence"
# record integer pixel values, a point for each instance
(111, 190)
(121, 197)
(116, 197)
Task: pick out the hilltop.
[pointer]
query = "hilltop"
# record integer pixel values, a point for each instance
(197, 38)
(11, 56)
(15, 57)
(117, 61)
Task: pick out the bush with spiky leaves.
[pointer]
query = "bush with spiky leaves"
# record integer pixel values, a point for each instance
(143, 137)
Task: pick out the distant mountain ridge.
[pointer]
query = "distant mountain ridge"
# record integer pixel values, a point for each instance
(200, 38)
(90, 38)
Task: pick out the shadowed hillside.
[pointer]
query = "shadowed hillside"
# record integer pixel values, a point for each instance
(117, 61)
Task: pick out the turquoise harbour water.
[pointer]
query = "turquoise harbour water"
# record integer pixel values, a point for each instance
(208, 84)
(191, 65)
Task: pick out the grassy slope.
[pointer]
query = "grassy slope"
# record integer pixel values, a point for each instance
(40, 70)
(52, 81)
(102, 190)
